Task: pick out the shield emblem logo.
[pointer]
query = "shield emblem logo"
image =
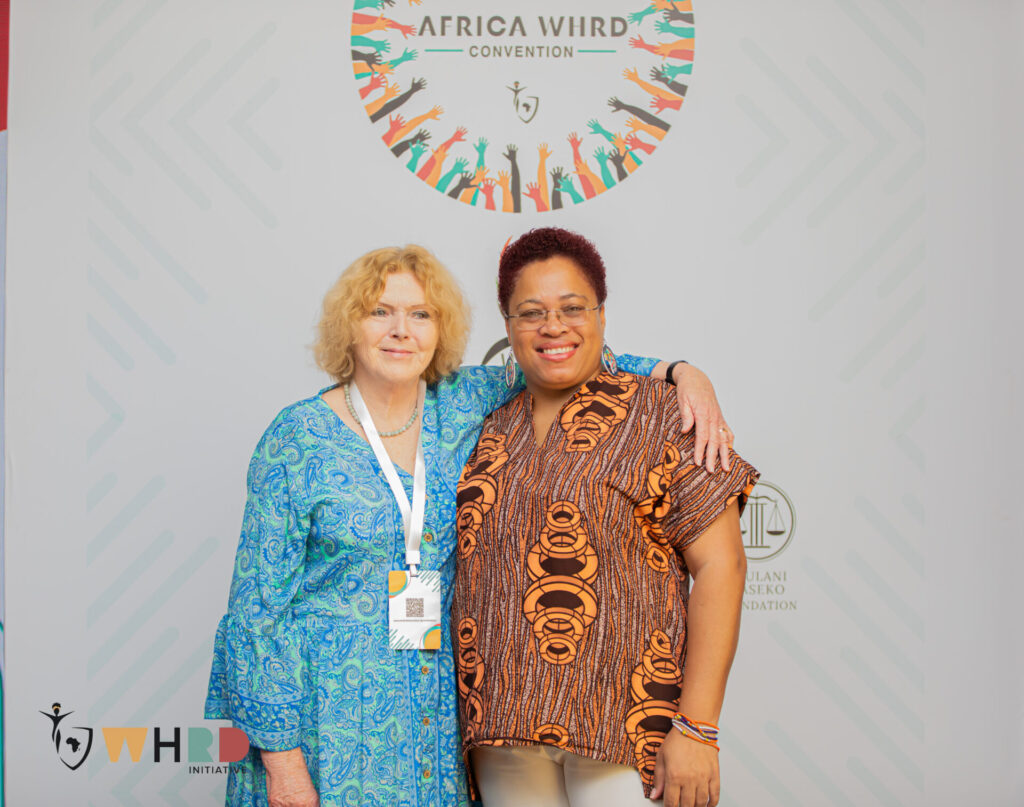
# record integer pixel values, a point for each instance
(527, 109)
(74, 745)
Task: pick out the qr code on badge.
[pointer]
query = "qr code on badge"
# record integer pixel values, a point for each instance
(414, 608)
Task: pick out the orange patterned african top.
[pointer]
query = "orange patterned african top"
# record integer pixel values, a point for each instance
(569, 609)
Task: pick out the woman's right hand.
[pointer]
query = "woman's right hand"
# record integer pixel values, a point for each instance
(686, 773)
(288, 780)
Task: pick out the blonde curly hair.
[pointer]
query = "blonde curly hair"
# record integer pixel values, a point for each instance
(359, 288)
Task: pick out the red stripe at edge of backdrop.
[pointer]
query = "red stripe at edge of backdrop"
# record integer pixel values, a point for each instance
(5, 31)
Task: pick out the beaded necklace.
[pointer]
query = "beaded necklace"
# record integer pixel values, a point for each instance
(396, 432)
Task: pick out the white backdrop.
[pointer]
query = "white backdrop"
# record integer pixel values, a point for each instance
(829, 230)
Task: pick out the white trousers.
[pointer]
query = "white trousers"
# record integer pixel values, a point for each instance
(546, 776)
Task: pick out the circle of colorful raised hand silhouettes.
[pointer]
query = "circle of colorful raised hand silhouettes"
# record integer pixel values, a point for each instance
(396, 43)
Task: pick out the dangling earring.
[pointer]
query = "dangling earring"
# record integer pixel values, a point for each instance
(510, 370)
(608, 360)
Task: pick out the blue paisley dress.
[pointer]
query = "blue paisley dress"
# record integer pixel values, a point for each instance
(301, 658)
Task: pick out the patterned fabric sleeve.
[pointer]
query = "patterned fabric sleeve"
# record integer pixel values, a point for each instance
(481, 388)
(259, 666)
(485, 387)
(695, 497)
(636, 365)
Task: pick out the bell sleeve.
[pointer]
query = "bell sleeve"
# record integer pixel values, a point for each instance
(259, 675)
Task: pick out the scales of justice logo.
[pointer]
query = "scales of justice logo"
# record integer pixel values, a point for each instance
(768, 522)
(594, 89)
(72, 744)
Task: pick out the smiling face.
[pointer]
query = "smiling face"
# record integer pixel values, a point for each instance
(556, 358)
(397, 337)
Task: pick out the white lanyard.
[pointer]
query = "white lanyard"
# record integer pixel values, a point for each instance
(412, 517)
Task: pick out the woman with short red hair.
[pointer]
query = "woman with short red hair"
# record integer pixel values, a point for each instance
(582, 517)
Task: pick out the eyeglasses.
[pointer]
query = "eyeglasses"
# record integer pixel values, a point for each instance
(533, 318)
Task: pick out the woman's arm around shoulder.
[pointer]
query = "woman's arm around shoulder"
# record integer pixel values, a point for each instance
(698, 405)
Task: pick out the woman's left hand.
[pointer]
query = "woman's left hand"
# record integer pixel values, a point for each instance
(699, 408)
(686, 772)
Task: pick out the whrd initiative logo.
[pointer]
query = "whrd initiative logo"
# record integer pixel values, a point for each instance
(434, 80)
(73, 747)
(768, 522)
(73, 744)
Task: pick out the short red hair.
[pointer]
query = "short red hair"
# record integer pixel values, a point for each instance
(541, 244)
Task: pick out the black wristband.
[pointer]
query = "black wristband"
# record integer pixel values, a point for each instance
(671, 369)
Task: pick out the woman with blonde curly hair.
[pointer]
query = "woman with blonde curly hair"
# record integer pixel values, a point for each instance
(335, 655)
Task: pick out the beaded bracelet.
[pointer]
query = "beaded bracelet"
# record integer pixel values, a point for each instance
(706, 733)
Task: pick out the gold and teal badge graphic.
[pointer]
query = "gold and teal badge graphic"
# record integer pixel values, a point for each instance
(526, 105)
(414, 610)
